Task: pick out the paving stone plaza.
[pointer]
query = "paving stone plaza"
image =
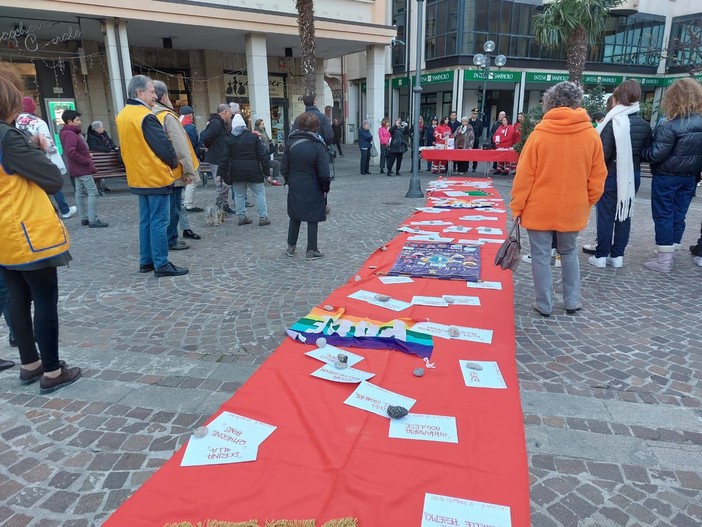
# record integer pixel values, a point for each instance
(611, 397)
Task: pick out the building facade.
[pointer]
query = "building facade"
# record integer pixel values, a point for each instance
(82, 53)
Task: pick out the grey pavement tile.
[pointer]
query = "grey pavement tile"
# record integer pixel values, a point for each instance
(677, 457)
(166, 398)
(654, 416)
(564, 405)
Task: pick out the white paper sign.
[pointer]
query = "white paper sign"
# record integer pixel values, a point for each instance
(395, 279)
(485, 285)
(492, 209)
(231, 438)
(328, 354)
(348, 375)
(416, 231)
(433, 301)
(376, 400)
(490, 240)
(425, 427)
(431, 222)
(489, 377)
(490, 230)
(370, 298)
(428, 238)
(478, 217)
(441, 511)
(458, 228)
(464, 333)
(461, 300)
(431, 210)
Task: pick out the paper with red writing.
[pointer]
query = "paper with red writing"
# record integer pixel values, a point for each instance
(348, 375)
(485, 285)
(230, 438)
(462, 300)
(478, 217)
(464, 333)
(372, 298)
(447, 511)
(424, 427)
(489, 377)
(328, 354)
(375, 399)
(395, 279)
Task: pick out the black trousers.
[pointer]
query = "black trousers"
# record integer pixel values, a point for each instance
(40, 287)
(338, 147)
(365, 160)
(392, 157)
(294, 232)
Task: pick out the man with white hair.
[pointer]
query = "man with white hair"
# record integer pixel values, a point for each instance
(149, 158)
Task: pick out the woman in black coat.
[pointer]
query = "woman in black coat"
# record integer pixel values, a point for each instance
(398, 146)
(305, 167)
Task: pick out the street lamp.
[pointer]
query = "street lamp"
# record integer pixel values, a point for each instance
(415, 189)
(483, 62)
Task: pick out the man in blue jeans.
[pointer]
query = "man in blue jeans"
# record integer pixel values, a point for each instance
(149, 158)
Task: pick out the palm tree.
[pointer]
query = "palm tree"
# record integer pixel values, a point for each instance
(575, 25)
(305, 22)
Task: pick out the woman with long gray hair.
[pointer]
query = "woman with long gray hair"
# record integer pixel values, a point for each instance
(560, 176)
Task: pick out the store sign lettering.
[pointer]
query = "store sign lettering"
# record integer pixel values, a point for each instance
(602, 79)
(547, 77)
(498, 76)
(26, 36)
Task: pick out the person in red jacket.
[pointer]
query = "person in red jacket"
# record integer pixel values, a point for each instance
(441, 134)
(504, 138)
(81, 169)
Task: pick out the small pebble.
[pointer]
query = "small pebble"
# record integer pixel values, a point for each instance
(473, 366)
(418, 372)
(383, 248)
(357, 278)
(397, 412)
(382, 298)
(342, 358)
(449, 299)
(340, 365)
(454, 331)
(321, 342)
(200, 431)
(328, 308)
(372, 267)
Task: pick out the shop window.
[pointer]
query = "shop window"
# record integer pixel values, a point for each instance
(178, 82)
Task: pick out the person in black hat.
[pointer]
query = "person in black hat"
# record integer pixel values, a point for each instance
(477, 125)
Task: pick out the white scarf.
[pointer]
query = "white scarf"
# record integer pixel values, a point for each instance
(626, 189)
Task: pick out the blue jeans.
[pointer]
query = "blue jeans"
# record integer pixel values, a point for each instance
(540, 243)
(61, 202)
(606, 224)
(174, 216)
(3, 305)
(259, 195)
(154, 213)
(670, 199)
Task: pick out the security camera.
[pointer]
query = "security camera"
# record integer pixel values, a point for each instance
(396, 42)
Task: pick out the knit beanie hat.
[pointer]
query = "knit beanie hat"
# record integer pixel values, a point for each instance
(28, 105)
(186, 110)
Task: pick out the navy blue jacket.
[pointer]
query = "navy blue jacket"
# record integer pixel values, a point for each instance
(676, 149)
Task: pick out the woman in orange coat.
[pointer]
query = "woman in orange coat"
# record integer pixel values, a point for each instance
(560, 176)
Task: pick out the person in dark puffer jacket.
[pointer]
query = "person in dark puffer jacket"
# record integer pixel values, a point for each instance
(676, 160)
(245, 162)
(622, 152)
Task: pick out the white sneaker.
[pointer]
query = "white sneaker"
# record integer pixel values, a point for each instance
(597, 262)
(71, 212)
(527, 258)
(616, 262)
(557, 260)
(698, 260)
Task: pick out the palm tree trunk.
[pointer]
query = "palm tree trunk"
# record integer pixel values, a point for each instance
(305, 22)
(576, 54)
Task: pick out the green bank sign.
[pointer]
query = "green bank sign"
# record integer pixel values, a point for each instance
(551, 78)
(426, 78)
(493, 76)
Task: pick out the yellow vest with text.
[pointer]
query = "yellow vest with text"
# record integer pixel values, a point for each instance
(31, 228)
(178, 172)
(144, 168)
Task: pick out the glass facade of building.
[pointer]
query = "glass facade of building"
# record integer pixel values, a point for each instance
(685, 47)
(458, 28)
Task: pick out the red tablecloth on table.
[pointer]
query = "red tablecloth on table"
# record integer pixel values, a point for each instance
(329, 460)
(470, 154)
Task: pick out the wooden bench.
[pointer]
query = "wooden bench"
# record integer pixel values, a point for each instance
(205, 172)
(107, 165)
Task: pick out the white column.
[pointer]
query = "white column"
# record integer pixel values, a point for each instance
(522, 89)
(124, 50)
(117, 84)
(257, 71)
(375, 88)
(458, 93)
(319, 86)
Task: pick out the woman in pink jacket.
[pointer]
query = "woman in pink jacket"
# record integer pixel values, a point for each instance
(384, 137)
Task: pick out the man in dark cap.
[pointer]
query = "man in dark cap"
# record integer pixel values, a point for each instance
(477, 125)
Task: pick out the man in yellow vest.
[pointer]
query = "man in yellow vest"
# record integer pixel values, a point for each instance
(150, 160)
(188, 164)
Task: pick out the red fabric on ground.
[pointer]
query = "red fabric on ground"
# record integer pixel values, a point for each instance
(330, 460)
(470, 154)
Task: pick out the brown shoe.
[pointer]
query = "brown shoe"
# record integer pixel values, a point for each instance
(30, 376)
(262, 222)
(68, 376)
(245, 220)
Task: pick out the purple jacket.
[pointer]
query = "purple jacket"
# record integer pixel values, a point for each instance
(76, 153)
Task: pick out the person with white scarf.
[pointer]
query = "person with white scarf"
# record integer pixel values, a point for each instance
(624, 135)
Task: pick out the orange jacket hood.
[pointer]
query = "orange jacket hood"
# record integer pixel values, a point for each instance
(564, 121)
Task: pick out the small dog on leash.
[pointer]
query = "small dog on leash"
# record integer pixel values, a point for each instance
(214, 215)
